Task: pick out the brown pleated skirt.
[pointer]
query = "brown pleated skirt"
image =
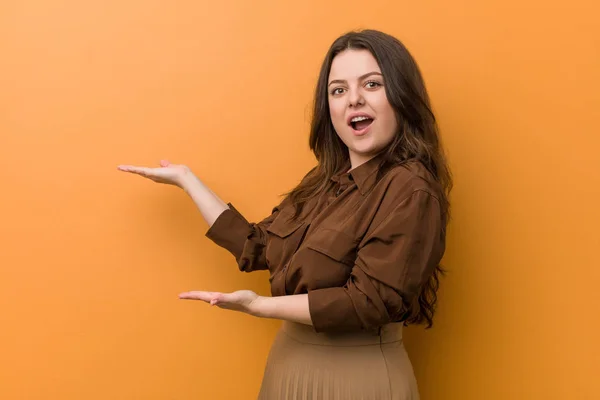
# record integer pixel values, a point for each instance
(305, 365)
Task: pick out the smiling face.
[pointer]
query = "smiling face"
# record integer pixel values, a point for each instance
(360, 112)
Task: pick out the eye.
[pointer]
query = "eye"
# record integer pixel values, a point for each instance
(372, 84)
(337, 91)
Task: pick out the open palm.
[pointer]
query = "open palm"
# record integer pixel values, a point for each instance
(167, 173)
(240, 300)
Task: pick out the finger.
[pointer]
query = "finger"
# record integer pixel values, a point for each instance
(134, 169)
(127, 168)
(198, 295)
(164, 163)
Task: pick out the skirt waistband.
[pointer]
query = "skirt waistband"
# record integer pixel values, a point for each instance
(306, 334)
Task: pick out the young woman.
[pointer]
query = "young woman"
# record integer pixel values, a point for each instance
(354, 250)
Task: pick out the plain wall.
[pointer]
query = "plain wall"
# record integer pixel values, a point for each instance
(92, 259)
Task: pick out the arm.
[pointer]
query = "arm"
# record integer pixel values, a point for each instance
(209, 204)
(228, 228)
(292, 308)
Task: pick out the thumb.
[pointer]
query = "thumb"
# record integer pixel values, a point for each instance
(223, 298)
(164, 163)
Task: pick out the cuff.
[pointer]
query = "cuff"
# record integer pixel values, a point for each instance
(331, 309)
(230, 231)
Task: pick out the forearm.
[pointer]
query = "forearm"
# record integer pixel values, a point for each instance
(292, 308)
(209, 204)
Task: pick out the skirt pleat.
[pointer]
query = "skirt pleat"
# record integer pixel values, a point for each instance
(305, 365)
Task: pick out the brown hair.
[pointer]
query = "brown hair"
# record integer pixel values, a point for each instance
(417, 138)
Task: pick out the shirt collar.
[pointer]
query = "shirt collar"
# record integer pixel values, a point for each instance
(364, 175)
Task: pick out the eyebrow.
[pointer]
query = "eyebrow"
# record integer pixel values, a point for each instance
(360, 78)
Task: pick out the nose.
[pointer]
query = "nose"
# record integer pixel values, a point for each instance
(355, 98)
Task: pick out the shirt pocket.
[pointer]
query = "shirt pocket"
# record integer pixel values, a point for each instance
(336, 245)
(285, 237)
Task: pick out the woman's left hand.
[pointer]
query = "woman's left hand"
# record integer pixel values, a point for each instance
(241, 300)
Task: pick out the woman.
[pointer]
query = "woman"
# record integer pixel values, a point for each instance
(353, 251)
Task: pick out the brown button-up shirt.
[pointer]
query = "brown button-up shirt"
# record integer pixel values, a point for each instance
(362, 251)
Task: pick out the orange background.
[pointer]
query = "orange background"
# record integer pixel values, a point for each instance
(92, 260)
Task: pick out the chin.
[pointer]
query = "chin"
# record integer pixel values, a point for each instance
(365, 148)
(364, 153)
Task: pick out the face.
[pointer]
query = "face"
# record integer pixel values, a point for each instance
(361, 114)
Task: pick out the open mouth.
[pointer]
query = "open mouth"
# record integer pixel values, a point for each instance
(360, 123)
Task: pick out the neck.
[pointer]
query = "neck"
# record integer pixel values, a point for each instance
(356, 160)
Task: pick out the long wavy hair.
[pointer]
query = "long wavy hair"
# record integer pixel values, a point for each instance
(417, 138)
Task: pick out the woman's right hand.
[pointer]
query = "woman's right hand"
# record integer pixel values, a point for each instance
(167, 173)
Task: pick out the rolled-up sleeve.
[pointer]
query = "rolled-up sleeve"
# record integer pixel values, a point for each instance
(245, 240)
(393, 262)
